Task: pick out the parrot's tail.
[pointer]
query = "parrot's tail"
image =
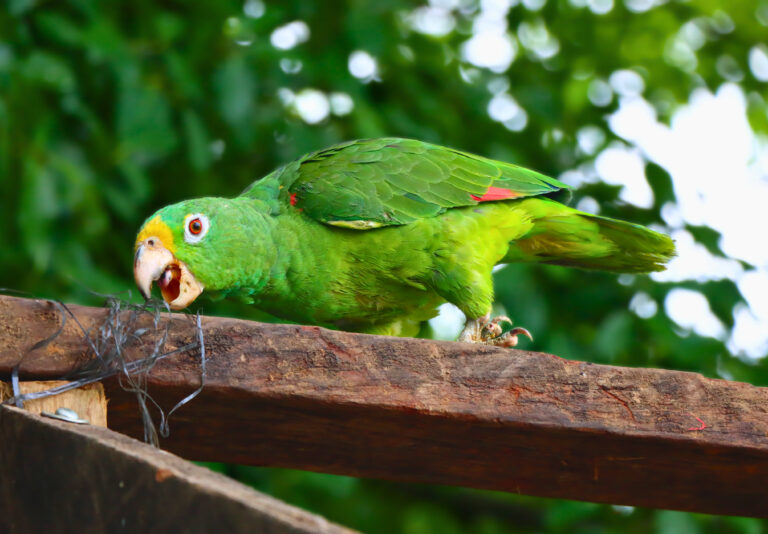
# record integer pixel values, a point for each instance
(564, 236)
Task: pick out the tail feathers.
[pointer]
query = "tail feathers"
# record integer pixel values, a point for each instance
(575, 239)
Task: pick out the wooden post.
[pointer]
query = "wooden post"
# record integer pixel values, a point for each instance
(61, 477)
(437, 412)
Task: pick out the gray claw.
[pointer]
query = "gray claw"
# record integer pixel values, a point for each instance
(491, 332)
(520, 331)
(510, 338)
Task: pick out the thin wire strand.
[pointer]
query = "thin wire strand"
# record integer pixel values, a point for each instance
(39, 345)
(107, 343)
(165, 429)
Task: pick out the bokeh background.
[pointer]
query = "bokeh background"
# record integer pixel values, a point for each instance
(654, 110)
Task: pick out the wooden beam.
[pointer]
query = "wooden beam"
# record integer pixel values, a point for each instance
(64, 477)
(436, 412)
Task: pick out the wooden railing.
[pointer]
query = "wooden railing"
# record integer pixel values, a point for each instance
(428, 411)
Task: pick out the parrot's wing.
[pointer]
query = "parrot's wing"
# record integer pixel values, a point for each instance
(382, 182)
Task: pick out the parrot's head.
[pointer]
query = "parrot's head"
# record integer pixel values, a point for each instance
(190, 246)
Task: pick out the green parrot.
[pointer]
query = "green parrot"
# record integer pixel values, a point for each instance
(373, 235)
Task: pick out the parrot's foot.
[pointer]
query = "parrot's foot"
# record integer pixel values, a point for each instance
(489, 331)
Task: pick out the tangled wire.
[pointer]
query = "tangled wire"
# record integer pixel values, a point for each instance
(108, 342)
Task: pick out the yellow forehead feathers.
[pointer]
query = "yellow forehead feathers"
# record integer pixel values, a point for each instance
(157, 228)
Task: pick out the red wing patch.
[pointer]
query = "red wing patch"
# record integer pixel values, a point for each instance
(293, 199)
(495, 193)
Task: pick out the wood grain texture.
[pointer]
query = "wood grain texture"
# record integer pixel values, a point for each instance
(60, 477)
(438, 412)
(89, 401)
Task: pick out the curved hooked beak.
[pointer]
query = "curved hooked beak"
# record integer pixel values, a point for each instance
(153, 262)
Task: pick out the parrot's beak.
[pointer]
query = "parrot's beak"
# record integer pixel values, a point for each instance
(153, 262)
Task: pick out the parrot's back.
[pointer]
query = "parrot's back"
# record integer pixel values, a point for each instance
(378, 183)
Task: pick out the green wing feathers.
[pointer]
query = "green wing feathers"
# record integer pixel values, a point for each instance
(377, 183)
(382, 182)
(564, 236)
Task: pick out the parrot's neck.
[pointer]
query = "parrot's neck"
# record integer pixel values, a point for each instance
(286, 260)
(259, 254)
(245, 254)
(266, 258)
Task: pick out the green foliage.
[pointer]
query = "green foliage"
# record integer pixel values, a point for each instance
(110, 110)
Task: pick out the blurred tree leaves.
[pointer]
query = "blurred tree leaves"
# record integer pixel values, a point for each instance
(109, 111)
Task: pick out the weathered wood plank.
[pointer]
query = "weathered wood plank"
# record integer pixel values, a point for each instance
(439, 412)
(89, 401)
(62, 477)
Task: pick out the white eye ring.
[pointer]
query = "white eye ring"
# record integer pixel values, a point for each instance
(190, 236)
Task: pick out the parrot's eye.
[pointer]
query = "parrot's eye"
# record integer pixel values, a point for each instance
(195, 227)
